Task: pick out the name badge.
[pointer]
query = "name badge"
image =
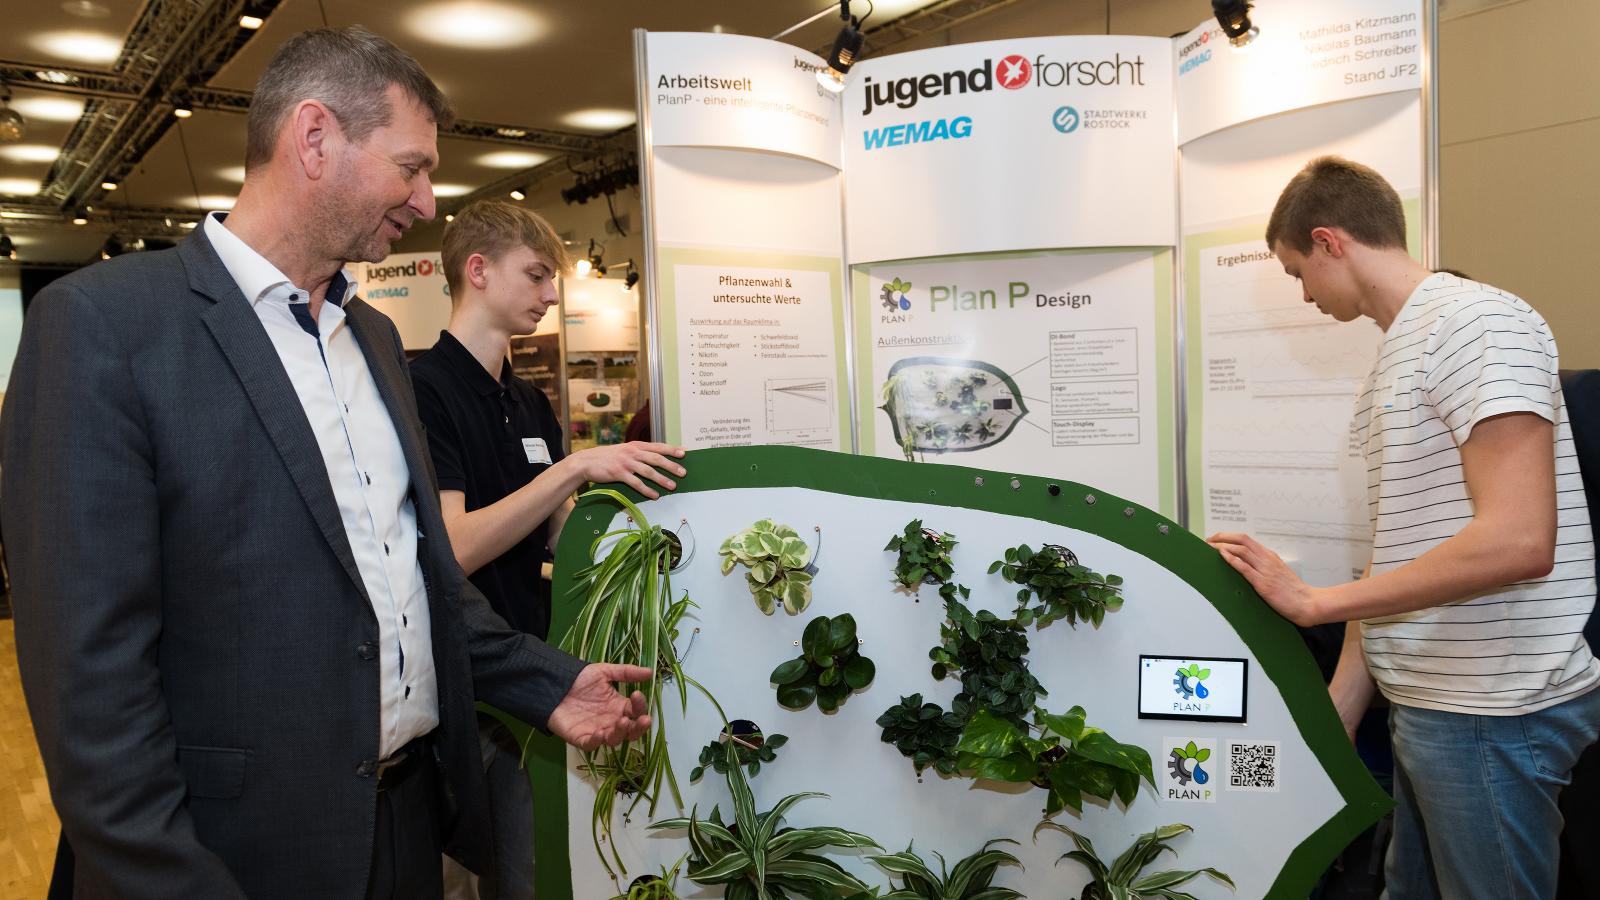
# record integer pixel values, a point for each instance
(536, 450)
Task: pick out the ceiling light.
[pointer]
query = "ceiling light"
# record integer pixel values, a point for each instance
(452, 190)
(210, 202)
(54, 77)
(24, 186)
(846, 50)
(8, 250)
(188, 225)
(449, 217)
(81, 217)
(50, 109)
(182, 110)
(108, 185)
(234, 174)
(581, 267)
(476, 24)
(1234, 17)
(30, 153)
(251, 23)
(511, 132)
(12, 125)
(599, 119)
(517, 194)
(91, 47)
(86, 9)
(512, 159)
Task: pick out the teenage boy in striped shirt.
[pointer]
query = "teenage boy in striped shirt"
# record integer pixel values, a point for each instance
(1470, 617)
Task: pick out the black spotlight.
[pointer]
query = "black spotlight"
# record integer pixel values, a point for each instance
(1234, 17)
(8, 250)
(630, 281)
(846, 50)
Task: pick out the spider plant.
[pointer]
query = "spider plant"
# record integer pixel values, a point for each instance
(969, 880)
(655, 887)
(629, 616)
(759, 860)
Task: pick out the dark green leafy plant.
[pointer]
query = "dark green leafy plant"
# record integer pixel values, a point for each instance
(1065, 589)
(777, 559)
(1068, 759)
(970, 879)
(829, 668)
(924, 556)
(1122, 880)
(750, 746)
(629, 616)
(655, 887)
(923, 733)
(757, 859)
(990, 654)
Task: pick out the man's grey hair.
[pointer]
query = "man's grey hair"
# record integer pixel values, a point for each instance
(348, 70)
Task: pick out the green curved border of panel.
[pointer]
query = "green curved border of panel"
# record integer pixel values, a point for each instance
(1270, 638)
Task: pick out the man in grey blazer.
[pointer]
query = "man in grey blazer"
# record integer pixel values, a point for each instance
(248, 651)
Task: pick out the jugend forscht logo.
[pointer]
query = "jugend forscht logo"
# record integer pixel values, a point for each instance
(1013, 72)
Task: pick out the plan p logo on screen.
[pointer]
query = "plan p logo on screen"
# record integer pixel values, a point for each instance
(1015, 72)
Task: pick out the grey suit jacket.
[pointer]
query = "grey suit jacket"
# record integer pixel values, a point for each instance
(190, 618)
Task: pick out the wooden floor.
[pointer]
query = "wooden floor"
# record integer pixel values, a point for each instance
(28, 826)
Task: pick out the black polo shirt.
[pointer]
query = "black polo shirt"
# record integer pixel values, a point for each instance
(484, 434)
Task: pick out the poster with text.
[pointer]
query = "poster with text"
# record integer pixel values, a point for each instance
(1305, 54)
(1048, 363)
(752, 349)
(1021, 144)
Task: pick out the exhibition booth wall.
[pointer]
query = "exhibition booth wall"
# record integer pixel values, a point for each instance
(1039, 259)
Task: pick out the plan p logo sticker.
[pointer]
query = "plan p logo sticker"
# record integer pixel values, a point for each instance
(1015, 72)
(1189, 768)
(894, 296)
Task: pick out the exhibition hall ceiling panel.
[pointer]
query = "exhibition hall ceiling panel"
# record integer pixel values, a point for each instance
(86, 34)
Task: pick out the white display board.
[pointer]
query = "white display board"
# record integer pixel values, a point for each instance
(10, 332)
(1306, 54)
(1010, 145)
(1038, 362)
(1272, 382)
(728, 90)
(873, 789)
(410, 289)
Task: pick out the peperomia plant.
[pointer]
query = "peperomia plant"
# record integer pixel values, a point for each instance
(970, 879)
(990, 654)
(750, 747)
(1122, 879)
(829, 668)
(777, 559)
(924, 556)
(1068, 759)
(1064, 588)
(629, 616)
(923, 733)
(756, 858)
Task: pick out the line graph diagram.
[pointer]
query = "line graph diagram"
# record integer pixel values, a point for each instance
(799, 404)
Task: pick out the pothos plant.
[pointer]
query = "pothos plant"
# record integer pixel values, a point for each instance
(758, 859)
(924, 733)
(990, 655)
(1065, 589)
(629, 616)
(1068, 759)
(829, 668)
(778, 562)
(750, 747)
(969, 879)
(924, 556)
(1122, 880)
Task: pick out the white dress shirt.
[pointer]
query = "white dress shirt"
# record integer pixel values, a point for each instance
(367, 469)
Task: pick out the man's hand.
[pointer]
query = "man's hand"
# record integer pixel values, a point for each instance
(593, 714)
(631, 464)
(1272, 578)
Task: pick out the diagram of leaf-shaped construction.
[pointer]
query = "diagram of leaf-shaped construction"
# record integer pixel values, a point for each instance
(939, 405)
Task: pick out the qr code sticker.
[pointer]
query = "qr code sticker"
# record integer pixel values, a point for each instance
(1252, 767)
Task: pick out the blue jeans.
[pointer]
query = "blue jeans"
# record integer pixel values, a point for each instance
(1475, 796)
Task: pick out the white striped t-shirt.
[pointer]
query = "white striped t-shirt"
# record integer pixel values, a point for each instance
(1457, 353)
